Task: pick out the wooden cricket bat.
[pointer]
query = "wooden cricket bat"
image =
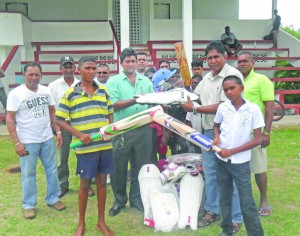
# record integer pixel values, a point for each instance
(183, 64)
(184, 130)
(122, 126)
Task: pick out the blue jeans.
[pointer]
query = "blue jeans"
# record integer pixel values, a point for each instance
(212, 200)
(240, 173)
(46, 151)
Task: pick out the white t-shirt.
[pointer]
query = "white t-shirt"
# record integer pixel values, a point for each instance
(98, 82)
(195, 119)
(236, 127)
(32, 113)
(58, 89)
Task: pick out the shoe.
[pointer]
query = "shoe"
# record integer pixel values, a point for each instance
(208, 219)
(91, 192)
(30, 213)
(115, 210)
(265, 211)
(59, 206)
(236, 227)
(63, 192)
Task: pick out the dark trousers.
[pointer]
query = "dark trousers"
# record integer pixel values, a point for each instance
(134, 146)
(240, 173)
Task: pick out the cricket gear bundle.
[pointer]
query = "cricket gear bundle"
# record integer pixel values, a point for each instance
(158, 190)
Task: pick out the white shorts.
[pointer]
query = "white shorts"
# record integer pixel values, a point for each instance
(258, 162)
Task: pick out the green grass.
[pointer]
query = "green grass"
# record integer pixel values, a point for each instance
(284, 191)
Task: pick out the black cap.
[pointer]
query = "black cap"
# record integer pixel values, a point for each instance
(66, 59)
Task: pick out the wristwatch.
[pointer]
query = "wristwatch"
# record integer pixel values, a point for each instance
(194, 110)
(265, 133)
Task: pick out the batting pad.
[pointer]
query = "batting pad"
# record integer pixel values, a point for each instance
(191, 188)
(165, 207)
(148, 178)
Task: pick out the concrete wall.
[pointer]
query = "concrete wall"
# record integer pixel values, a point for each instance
(208, 29)
(71, 31)
(11, 29)
(216, 9)
(64, 9)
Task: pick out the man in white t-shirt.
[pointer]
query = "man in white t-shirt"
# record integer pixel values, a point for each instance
(30, 117)
(58, 89)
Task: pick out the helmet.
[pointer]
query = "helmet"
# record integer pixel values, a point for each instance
(160, 79)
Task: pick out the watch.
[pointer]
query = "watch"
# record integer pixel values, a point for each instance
(265, 133)
(195, 110)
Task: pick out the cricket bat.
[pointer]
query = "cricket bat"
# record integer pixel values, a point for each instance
(184, 130)
(122, 126)
(183, 64)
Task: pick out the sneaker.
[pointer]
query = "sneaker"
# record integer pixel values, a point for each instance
(59, 206)
(30, 213)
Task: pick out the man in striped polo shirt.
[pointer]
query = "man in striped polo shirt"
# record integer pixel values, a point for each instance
(89, 108)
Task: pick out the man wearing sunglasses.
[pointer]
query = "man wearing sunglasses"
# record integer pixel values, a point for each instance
(103, 73)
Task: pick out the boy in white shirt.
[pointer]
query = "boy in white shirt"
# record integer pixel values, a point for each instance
(233, 125)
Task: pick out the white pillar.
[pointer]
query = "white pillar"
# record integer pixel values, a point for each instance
(187, 28)
(109, 9)
(124, 23)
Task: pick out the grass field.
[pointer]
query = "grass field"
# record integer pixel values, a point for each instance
(284, 191)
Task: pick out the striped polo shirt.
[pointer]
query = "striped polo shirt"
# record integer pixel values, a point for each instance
(87, 114)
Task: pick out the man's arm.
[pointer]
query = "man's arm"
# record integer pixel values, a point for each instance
(210, 109)
(63, 124)
(55, 126)
(11, 127)
(110, 118)
(269, 112)
(120, 105)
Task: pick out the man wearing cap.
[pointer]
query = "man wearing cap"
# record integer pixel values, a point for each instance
(58, 89)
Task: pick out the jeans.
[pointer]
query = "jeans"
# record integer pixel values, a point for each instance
(240, 173)
(63, 168)
(46, 151)
(212, 201)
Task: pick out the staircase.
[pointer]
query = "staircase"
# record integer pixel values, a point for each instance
(48, 55)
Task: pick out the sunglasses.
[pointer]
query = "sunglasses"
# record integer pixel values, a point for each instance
(103, 72)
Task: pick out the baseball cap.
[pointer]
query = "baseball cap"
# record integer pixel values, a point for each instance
(65, 60)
